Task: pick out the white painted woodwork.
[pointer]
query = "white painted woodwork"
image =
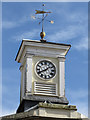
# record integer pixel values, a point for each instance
(29, 73)
(29, 54)
(61, 77)
(22, 83)
(41, 49)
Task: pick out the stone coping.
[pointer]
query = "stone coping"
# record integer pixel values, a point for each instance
(57, 106)
(38, 118)
(30, 115)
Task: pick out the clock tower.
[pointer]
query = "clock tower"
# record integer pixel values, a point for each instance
(42, 73)
(42, 70)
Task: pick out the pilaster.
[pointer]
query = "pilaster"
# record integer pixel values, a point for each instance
(61, 76)
(22, 83)
(29, 72)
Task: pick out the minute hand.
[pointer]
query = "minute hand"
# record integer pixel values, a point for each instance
(44, 70)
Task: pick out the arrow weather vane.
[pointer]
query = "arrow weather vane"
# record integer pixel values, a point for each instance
(44, 15)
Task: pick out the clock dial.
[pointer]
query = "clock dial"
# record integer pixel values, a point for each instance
(45, 69)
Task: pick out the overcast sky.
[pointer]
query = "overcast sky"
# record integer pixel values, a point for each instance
(70, 27)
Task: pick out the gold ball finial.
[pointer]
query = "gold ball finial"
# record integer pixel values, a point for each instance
(42, 34)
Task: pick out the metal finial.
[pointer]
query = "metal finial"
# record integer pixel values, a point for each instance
(44, 15)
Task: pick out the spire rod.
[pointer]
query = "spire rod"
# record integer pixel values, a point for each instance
(42, 34)
(43, 16)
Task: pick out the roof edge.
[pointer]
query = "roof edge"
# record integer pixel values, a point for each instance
(36, 41)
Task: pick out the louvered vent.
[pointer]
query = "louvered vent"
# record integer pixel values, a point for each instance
(44, 89)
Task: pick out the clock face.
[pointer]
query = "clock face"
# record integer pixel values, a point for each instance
(45, 69)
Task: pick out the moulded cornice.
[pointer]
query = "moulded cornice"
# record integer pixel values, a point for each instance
(38, 48)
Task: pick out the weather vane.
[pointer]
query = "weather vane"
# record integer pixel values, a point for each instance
(44, 15)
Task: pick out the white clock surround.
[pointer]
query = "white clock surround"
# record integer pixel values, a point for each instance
(30, 52)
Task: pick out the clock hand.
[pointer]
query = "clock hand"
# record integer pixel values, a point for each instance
(43, 70)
